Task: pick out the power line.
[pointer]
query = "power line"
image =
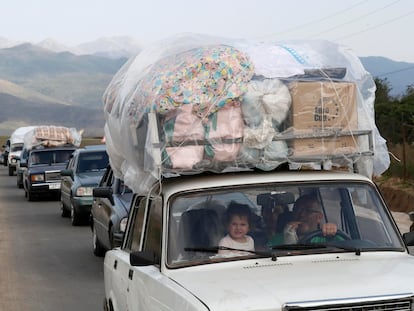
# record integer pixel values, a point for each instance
(395, 71)
(356, 19)
(321, 19)
(376, 26)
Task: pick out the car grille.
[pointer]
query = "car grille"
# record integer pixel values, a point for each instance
(379, 303)
(52, 175)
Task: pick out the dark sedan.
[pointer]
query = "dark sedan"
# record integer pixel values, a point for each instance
(109, 213)
(83, 172)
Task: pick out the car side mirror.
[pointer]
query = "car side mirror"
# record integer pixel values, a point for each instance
(104, 192)
(409, 238)
(67, 172)
(144, 258)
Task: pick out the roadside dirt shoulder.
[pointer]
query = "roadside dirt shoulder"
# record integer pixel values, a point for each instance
(399, 197)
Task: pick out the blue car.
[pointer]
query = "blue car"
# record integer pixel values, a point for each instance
(83, 172)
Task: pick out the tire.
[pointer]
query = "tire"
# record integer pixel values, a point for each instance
(64, 211)
(75, 217)
(98, 249)
(111, 237)
(29, 196)
(11, 171)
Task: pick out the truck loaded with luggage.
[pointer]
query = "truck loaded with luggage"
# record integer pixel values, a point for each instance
(252, 168)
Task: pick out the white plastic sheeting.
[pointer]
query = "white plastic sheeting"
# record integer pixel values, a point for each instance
(196, 103)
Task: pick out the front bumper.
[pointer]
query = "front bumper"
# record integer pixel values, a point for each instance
(50, 187)
(82, 205)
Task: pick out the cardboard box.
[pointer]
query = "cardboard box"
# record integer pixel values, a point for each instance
(324, 146)
(323, 107)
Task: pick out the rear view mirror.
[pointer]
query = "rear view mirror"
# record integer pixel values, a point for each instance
(409, 238)
(103, 192)
(68, 172)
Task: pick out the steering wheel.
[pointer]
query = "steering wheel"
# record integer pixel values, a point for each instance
(318, 233)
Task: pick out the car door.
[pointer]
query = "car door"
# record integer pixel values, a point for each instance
(145, 283)
(102, 209)
(117, 268)
(66, 182)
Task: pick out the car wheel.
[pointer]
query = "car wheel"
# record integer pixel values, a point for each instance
(98, 249)
(75, 217)
(111, 237)
(11, 171)
(29, 196)
(64, 211)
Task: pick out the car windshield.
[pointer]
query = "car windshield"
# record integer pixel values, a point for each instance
(92, 162)
(15, 148)
(50, 157)
(283, 220)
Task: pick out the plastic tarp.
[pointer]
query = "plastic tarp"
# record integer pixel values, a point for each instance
(196, 103)
(17, 137)
(52, 136)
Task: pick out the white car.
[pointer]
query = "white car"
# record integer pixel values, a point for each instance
(170, 258)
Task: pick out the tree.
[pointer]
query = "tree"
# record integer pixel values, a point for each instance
(386, 117)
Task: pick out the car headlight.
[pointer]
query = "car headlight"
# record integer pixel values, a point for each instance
(84, 191)
(37, 177)
(123, 224)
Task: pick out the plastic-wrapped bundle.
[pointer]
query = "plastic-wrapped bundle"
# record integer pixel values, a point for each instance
(195, 103)
(52, 136)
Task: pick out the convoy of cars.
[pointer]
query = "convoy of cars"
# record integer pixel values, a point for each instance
(82, 173)
(208, 206)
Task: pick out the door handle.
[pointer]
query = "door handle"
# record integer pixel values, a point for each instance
(130, 274)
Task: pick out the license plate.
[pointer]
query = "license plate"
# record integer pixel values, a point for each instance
(55, 185)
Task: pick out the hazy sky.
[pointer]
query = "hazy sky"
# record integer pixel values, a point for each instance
(369, 27)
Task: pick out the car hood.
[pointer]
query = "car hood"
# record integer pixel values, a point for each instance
(264, 284)
(41, 168)
(89, 178)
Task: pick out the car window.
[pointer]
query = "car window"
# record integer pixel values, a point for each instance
(198, 222)
(152, 239)
(107, 178)
(92, 161)
(133, 240)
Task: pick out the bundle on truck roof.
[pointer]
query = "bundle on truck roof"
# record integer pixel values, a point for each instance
(52, 136)
(18, 134)
(194, 103)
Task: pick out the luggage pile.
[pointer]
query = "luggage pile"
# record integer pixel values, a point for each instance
(193, 104)
(52, 136)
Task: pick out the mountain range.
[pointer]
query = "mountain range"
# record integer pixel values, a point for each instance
(50, 83)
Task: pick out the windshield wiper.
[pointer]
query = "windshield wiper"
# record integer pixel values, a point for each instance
(357, 250)
(215, 249)
(302, 246)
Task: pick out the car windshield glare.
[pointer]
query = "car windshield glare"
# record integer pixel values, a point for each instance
(207, 227)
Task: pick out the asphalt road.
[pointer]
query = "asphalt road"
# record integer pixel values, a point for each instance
(45, 263)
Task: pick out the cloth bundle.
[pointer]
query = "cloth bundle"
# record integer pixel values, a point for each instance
(52, 136)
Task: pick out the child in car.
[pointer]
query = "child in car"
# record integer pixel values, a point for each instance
(238, 218)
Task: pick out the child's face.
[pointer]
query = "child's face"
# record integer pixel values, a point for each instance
(238, 228)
